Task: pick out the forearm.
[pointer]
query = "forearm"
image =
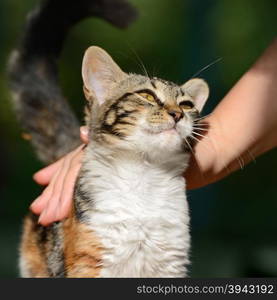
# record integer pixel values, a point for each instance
(243, 125)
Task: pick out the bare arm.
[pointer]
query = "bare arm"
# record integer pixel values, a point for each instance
(243, 125)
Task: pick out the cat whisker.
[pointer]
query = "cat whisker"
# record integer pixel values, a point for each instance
(201, 118)
(155, 70)
(207, 66)
(193, 153)
(140, 62)
(188, 144)
(203, 124)
(241, 162)
(194, 138)
(251, 156)
(203, 136)
(197, 122)
(202, 129)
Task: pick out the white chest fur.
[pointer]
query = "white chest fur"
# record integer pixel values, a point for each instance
(140, 214)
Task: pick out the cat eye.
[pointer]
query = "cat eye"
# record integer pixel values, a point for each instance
(186, 104)
(147, 96)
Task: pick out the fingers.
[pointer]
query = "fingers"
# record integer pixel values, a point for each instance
(49, 213)
(40, 203)
(68, 188)
(54, 211)
(44, 175)
(56, 200)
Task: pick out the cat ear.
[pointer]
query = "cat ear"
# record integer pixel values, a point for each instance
(198, 89)
(100, 73)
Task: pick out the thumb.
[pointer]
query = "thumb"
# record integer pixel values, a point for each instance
(84, 134)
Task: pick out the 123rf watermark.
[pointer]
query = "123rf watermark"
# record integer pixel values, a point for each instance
(226, 289)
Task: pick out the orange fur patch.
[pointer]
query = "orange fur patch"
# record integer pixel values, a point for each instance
(34, 260)
(82, 250)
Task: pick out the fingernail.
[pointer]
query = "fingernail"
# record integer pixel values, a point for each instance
(33, 203)
(41, 216)
(84, 130)
(34, 177)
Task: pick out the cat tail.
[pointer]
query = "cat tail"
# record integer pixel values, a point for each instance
(33, 71)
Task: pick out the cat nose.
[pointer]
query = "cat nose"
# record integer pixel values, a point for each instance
(176, 115)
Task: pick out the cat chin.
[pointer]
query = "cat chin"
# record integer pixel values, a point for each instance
(159, 145)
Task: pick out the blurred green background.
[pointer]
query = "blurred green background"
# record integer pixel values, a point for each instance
(234, 221)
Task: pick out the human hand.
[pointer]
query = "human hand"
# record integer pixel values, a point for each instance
(55, 202)
(242, 127)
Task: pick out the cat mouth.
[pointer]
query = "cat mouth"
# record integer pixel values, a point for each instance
(169, 130)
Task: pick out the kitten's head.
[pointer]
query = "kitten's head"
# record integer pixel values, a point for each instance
(130, 111)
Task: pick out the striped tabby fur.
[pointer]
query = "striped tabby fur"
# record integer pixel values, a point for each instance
(130, 215)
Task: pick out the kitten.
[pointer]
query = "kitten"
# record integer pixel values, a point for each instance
(130, 216)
